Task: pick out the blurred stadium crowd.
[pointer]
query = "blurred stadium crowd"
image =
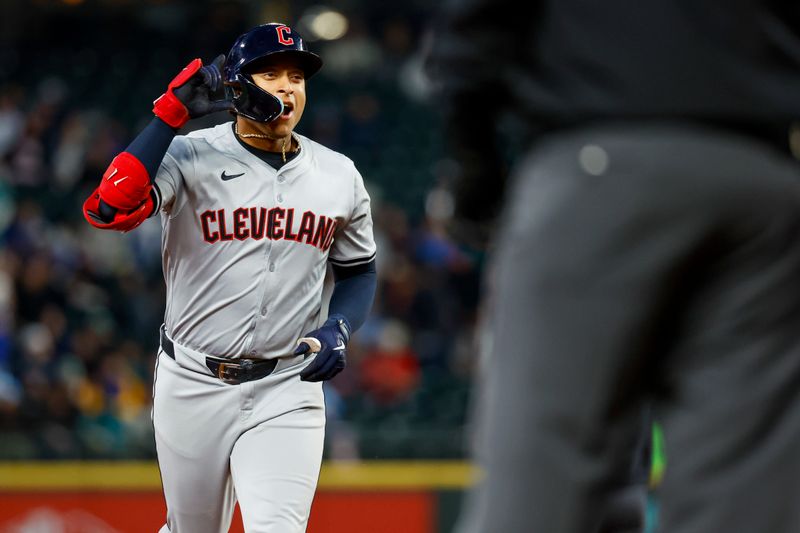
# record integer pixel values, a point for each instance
(80, 308)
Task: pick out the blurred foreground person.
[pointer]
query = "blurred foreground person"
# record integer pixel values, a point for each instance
(648, 251)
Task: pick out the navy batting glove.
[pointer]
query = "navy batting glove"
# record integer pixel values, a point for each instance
(332, 356)
(198, 93)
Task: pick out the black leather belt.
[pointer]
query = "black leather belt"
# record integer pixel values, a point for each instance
(230, 371)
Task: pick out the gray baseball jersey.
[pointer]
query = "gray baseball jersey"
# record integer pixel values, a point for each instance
(245, 247)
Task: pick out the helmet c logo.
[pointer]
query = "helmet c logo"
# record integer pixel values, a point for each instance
(283, 38)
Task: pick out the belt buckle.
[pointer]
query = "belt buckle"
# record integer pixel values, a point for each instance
(235, 373)
(223, 373)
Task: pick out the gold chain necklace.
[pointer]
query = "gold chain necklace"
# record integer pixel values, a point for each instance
(263, 136)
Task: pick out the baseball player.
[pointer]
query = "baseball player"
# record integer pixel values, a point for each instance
(252, 213)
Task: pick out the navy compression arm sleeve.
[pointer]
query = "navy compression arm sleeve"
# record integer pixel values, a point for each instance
(151, 145)
(353, 293)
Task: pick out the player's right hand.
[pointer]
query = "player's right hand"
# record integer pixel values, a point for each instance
(191, 93)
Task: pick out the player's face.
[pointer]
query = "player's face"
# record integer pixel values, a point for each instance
(286, 81)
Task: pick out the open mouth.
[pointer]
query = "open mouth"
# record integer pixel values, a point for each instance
(288, 111)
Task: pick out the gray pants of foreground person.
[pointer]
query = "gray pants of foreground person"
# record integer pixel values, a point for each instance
(644, 262)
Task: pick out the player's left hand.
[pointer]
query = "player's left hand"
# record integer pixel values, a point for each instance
(330, 342)
(191, 94)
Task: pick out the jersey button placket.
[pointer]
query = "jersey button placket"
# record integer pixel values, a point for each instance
(279, 199)
(261, 311)
(264, 304)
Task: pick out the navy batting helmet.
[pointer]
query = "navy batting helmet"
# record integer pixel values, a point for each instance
(252, 49)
